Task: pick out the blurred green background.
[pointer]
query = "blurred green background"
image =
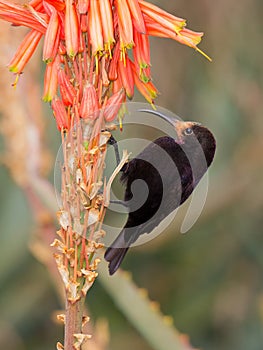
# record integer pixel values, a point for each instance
(211, 279)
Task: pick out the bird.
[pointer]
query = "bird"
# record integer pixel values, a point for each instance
(159, 179)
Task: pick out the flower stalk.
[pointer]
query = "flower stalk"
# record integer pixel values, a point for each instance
(89, 75)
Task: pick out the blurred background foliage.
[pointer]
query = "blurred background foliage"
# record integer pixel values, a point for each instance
(211, 279)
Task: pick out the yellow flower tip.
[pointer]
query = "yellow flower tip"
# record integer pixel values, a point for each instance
(192, 39)
(144, 78)
(24, 51)
(108, 47)
(47, 60)
(16, 81)
(13, 69)
(123, 55)
(97, 63)
(129, 45)
(203, 54)
(47, 98)
(153, 106)
(72, 54)
(179, 27)
(120, 122)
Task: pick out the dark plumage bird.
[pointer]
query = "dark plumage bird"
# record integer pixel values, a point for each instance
(159, 180)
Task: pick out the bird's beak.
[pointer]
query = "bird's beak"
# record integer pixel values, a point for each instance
(159, 114)
(177, 124)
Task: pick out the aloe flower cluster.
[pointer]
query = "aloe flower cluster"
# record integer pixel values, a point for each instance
(95, 52)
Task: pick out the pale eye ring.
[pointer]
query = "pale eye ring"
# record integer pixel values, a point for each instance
(188, 131)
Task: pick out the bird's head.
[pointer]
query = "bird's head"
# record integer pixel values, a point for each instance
(190, 134)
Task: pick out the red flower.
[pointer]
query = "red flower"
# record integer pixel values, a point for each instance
(89, 40)
(25, 51)
(89, 104)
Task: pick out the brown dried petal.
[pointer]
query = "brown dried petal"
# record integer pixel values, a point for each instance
(63, 217)
(73, 291)
(81, 339)
(62, 269)
(94, 189)
(93, 216)
(60, 346)
(61, 318)
(104, 137)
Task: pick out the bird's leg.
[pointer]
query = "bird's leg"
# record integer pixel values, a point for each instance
(114, 143)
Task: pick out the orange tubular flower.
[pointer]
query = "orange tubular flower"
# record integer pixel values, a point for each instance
(107, 24)
(137, 17)
(156, 29)
(51, 41)
(117, 85)
(60, 114)
(90, 103)
(113, 105)
(162, 17)
(25, 51)
(142, 49)
(147, 89)
(84, 23)
(51, 80)
(113, 75)
(67, 91)
(125, 72)
(141, 55)
(19, 15)
(104, 72)
(125, 25)
(95, 28)
(71, 29)
(193, 37)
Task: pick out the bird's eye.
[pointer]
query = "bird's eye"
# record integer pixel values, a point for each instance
(188, 131)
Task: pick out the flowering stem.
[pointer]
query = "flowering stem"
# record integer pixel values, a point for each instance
(73, 322)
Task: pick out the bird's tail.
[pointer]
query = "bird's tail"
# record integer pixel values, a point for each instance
(116, 252)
